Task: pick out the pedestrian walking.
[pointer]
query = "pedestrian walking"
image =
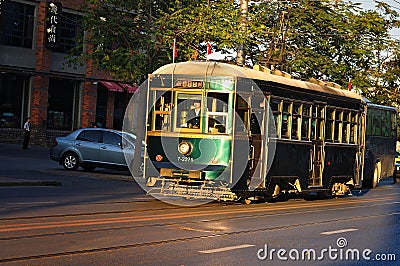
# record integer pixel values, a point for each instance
(27, 133)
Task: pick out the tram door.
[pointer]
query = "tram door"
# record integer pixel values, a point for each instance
(317, 152)
(258, 145)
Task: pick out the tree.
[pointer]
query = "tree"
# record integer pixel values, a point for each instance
(121, 38)
(216, 21)
(330, 40)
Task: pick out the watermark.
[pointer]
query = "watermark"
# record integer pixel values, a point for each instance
(339, 252)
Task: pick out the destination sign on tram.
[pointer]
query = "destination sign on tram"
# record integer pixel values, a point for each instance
(189, 84)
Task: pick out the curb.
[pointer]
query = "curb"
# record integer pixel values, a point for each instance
(29, 183)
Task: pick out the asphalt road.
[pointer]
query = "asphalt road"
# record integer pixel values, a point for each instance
(104, 218)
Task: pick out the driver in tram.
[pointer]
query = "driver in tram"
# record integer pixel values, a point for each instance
(193, 115)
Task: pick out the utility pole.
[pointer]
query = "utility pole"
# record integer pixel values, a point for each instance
(244, 7)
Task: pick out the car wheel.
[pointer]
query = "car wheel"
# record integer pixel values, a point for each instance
(88, 168)
(70, 161)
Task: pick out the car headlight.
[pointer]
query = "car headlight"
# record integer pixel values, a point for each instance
(185, 148)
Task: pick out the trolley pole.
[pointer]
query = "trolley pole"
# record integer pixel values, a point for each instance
(244, 6)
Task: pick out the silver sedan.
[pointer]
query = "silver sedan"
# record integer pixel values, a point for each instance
(95, 147)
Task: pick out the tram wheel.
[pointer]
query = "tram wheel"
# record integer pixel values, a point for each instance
(246, 201)
(372, 183)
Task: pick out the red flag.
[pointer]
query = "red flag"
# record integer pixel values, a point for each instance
(209, 48)
(174, 51)
(350, 85)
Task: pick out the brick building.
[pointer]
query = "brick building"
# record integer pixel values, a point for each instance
(35, 81)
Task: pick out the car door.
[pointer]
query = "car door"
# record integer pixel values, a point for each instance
(88, 143)
(111, 150)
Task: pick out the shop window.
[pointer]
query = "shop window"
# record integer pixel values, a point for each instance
(61, 104)
(120, 102)
(70, 31)
(13, 100)
(17, 24)
(101, 107)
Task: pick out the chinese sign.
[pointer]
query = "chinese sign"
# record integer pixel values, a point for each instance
(2, 6)
(2, 2)
(53, 15)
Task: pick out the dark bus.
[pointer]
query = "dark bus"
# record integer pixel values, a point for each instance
(260, 135)
(380, 143)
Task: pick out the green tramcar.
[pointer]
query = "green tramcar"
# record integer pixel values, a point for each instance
(258, 134)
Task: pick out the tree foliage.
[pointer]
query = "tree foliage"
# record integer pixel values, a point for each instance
(333, 40)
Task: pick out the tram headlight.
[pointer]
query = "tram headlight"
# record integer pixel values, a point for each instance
(185, 148)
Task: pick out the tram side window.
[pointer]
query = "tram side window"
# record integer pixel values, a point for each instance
(256, 118)
(296, 121)
(242, 110)
(217, 112)
(386, 127)
(353, 127)
(161, 118)
(330, 122)
(286, 119)
(369, 123)
(394, 125)
(346, 127)
(376, 122)
(317, 124)
(276, 112)
(338, 126)
(306, 122)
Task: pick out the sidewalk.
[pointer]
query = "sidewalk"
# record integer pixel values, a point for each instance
(33, 167)
(11, 154)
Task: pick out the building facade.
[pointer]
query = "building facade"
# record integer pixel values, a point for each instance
(37, 82)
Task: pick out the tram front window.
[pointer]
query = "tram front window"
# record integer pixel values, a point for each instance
(198, 114)
(189, 111)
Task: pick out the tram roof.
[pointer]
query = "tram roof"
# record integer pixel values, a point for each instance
(203, 68)
(379, 106)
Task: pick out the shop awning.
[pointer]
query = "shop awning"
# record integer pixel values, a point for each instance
(128, 87)
(112, 86)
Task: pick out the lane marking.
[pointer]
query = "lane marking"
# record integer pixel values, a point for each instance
(31, 203)
(225, 249)
(339, 231)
